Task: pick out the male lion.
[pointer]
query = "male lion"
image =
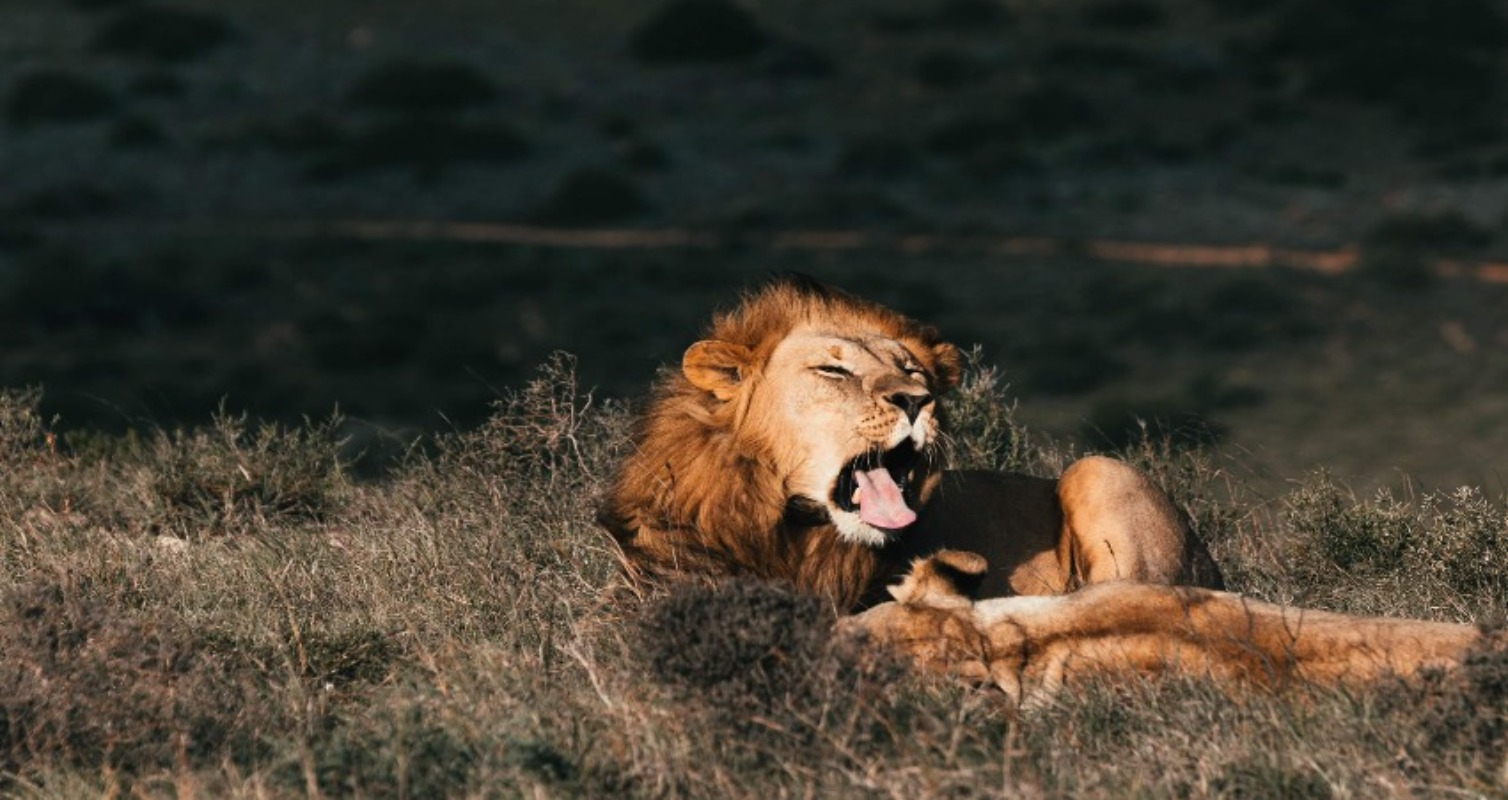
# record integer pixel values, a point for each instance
(800, 442)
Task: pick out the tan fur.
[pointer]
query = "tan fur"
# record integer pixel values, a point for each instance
(737, 456)
(1031, 647)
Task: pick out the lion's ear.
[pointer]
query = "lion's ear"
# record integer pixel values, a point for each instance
(949, 365)
(717, 367)
(945, 578)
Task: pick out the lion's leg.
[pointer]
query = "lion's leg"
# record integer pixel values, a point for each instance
(1119, 525)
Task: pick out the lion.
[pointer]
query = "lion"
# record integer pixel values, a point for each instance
(1032, 647)
(801, 441)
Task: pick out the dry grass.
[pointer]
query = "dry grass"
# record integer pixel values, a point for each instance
(225, 612)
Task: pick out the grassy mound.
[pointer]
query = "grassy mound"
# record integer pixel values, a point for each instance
(226, 611)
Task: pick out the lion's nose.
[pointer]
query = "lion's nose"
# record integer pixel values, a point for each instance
(910, 402)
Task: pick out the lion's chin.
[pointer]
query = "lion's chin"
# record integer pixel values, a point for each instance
(854, 530)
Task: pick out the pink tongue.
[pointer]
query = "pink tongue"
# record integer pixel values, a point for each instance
(880, 501)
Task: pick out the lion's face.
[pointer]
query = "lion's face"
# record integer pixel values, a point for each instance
(849, 418)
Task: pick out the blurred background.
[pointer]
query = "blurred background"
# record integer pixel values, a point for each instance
(287, 206)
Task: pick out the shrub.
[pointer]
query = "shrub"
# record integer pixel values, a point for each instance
(1402, 557)
(229, 479)
(47, 96)
(960, 16)
(796, 60)
(1464, 545)
(157, 83)
(73, 200)
(421, 86)
(1438, 62)
(591, 196)
(1052, 111)
(1358, 539)
(972, 133)
(137, 133)
(1399, 269)
(698, 32)
(162, 33)
(1124, 14)
(982, 427)
(427, 146)
(768, 687)
(945, 69)
(1448, 230)
(877, 155)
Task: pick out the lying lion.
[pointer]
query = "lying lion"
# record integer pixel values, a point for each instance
(800, 441)
(1030, 647)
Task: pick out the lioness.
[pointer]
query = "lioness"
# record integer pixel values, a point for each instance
(800, 441)
(1031, 647)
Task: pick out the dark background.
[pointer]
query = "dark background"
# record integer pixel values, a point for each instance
(207, 202)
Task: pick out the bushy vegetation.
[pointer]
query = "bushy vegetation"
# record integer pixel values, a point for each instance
(698, 31)
(422, 86)
(225, 611)
(53, 96)
(163, 33)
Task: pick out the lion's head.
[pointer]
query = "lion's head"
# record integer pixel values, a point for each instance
(803, 409)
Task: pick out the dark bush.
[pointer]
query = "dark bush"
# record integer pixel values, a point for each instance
(163, 33)
(1436, 62)
(137, 132)
(304, 133)
(762, 674)
(946, 69)
(1124, 15)
(1456, 717)
(639, 155)
(157, 83)
(698, 31)
(57, 96)
(795, 60)
(1051, 111)
(741, 646)
(972, 133)
(591, 196)
(1360, 539)
(426, 145)
(403, 752)
(1097, 56)
(1447, 231)
(1400, 269)
(961, 16)
(878, 155)
(418, 86)
(69, 201)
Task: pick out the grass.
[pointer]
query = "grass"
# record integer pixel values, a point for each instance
(225, 611)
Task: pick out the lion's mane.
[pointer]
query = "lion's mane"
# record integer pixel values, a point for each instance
(702, 492)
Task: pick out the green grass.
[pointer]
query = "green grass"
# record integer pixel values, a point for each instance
(224, 611)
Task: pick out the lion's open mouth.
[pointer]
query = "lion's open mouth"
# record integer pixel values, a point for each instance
(881, 487)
